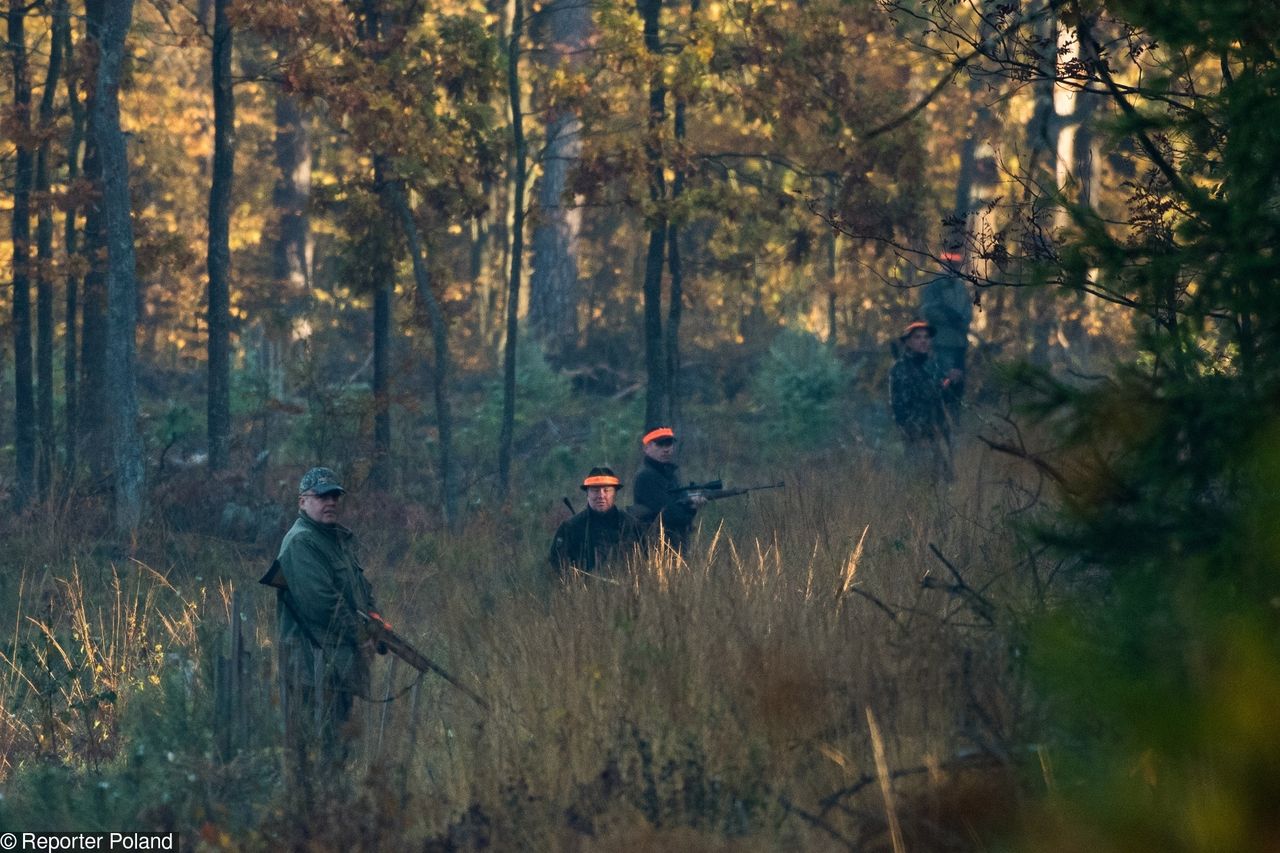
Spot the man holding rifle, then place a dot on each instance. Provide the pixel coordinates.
(322, 602)
(657, 489)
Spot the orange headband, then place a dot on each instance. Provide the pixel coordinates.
(601, 480)
(660, 432)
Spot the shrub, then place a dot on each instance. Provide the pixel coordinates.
(798, 388)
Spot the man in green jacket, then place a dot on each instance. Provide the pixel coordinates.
(324, 649)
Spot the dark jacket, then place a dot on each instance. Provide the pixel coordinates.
(655, 500)
(946, 305)
(592, 539)
(326, 586)
(916, 392)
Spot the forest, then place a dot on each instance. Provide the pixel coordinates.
(464, 252)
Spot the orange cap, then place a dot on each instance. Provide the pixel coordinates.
(655, 434)
(916, 324)
(601, 475)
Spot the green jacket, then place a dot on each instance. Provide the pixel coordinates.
(326, 586)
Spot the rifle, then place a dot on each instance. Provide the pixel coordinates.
(714, 490)
(379, 631)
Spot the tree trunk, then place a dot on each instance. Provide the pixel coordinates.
(674, 312)
(507, 433)
(397, 202)
(122, 287)
(384, 286)
(1076, 116)
(553, 284)
(44, 253)
(971, 226)
(655, 408)
(1044, 136)
(23, 414)
(1042, 129)
(477, 271)
(70, 368)
(369, 28)
(833, 254)
(219, 250)
(94, 430)
(1083, 149)
(382, 276)
(675, 308)
(291, 254)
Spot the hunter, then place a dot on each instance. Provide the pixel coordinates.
(600, 534)
(325, 652)
(657, 500)
(918, 394)
(948, 308)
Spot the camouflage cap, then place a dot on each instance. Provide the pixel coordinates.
(320, 481)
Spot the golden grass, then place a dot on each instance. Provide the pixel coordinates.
(720, 698)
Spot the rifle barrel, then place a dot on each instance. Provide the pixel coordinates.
(718, 494)
(404, 650)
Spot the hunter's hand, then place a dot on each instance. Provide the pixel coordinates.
(696, 501)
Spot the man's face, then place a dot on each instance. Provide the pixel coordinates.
(601, 498)
(663, 450)
(322, 509)
(919, 342)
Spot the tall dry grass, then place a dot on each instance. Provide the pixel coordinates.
(729, 691)
(722, 697)
(79, 652)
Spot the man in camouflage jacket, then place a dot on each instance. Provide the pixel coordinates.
(918, 395)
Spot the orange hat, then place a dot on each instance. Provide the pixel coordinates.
(660, 432)
(917, 324)
(952, 257)
(601, 477)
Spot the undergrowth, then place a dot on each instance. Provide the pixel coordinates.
(826, 663)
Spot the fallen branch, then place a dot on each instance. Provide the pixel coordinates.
(1022, 453)
(980, 604)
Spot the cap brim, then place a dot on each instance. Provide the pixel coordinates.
(328, 490)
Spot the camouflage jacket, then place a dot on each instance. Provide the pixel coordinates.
(326, 586)
(916, 390)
